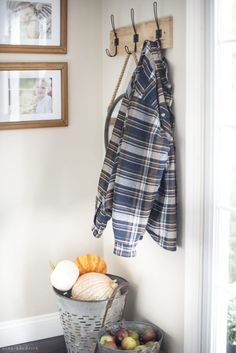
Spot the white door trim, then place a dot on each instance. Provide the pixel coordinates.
(194, 186)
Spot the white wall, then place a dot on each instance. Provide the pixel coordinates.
(48, 176)
(156, 276)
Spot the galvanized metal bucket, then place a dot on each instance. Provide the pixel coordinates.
(134, 326)
(82, 320)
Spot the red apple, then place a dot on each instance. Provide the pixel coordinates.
(148, 335)
(120, 334)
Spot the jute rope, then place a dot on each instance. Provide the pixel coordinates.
(122, 75)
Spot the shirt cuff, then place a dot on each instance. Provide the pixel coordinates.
(97, 232)
(100, 221)
(124, 249)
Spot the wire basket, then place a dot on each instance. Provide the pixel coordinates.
(82, 320)
(137, 326)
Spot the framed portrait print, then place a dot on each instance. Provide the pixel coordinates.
(36, 26)
(33, 95)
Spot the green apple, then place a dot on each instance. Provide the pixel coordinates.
(106, 338)
(140, 348)
(111, 345)
(128, 343)
(133, 334)
(151, 344)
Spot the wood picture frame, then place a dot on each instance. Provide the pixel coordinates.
(36, 26)
(33, 95)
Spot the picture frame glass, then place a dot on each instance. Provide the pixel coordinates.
(35, 22)
(30, 95)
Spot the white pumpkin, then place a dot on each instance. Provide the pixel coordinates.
(93, 286)
(64, 276)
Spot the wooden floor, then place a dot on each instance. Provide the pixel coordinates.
(49, 345)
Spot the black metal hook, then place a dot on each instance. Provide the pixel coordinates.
(135, 37)
(158, 30)
(116, 39)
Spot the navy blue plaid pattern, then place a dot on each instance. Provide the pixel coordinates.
(137, 185)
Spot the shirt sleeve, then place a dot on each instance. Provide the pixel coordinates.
(103, 208)
(162, 222)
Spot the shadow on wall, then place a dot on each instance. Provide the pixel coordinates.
(130, 308)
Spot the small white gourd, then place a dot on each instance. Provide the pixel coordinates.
(93, 286)
(64, 275)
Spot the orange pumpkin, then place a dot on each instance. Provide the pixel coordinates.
(90, 263)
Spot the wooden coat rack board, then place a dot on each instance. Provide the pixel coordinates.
(146, 31)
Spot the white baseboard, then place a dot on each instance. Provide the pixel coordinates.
(29, 329)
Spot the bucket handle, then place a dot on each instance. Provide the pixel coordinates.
(122, 285)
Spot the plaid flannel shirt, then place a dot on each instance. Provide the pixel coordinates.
(137, 185)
